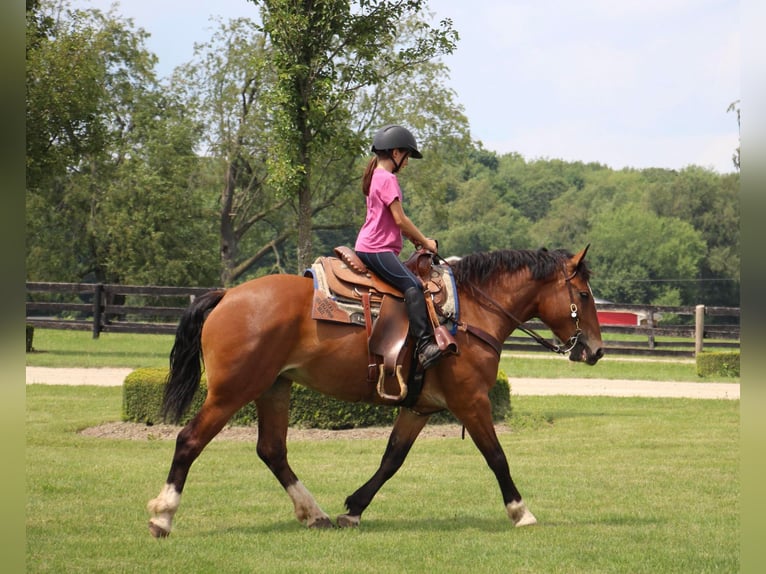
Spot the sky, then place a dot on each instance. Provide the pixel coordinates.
(624, 83)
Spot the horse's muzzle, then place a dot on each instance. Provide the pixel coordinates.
(583, 353)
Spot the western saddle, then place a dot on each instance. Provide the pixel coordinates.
(346, 291)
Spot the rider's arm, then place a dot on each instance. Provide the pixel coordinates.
(409, 229)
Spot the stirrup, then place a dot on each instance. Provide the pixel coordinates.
(382, 388)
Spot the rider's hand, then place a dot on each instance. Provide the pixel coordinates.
(431, 245)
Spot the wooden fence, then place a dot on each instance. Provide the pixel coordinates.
(109, 308)
(664, 331)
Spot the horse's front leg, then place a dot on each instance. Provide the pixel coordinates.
(406, 429)
(478, 423)
(273, 417)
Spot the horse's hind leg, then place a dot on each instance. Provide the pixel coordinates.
(273, 411)
(406, 429)
(190, 442)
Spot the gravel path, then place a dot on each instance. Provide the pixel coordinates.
(519, 386)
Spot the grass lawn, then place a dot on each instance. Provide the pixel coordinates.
(618, 484)
(61, 348)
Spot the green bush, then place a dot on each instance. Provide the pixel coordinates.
(725, 364)
(142, 393)
(143, 388)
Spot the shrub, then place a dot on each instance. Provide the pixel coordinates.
(142, 393)
(143, 389)
(725, 364)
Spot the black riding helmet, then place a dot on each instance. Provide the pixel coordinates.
(395, 137)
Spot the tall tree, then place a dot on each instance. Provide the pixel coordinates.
(230, 86)
(109, 155)
(323, 54)
(226, 86)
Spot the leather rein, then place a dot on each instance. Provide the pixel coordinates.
(498, 345)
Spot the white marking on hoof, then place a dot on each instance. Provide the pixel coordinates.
(348, 521)
(162, 509)
(307, 510)
(519, 514)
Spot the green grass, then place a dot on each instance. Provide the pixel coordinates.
(618, 484)
(61, 348)
(54, 348)
(610, 367)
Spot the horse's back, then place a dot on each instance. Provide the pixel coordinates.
(255, 314)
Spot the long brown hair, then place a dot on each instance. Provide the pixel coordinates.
(367, 177)
(370, 169)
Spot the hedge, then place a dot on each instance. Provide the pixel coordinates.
(143, 389)
(725, 364)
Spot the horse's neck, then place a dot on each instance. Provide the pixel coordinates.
(500, 306)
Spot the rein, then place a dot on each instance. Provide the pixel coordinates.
(497, 345)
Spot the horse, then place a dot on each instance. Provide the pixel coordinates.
(257, 338)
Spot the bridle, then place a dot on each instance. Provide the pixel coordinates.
(562, 349)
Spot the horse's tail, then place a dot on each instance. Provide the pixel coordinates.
(186, 355)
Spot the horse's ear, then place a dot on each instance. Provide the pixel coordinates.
(580, 257)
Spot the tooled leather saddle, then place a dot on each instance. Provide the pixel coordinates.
(346, 291)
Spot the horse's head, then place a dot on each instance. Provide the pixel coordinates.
(568, 308)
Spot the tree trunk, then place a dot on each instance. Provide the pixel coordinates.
(304, 226)
(229, 246)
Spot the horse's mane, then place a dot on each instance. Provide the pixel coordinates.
(542, 263)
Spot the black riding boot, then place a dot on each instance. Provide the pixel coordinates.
(421, 328)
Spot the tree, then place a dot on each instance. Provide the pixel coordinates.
(226, 87)
(594, 192)
(710, 203)
(483, 223)
(640, 258)
(323, 53)
(109, 156)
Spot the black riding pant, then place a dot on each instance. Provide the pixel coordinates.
(391, 269)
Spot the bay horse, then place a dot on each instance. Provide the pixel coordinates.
(257, 338)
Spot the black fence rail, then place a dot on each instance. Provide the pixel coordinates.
(111, 308)
(660, 331)
(107, 308)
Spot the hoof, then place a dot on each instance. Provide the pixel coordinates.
(323, 522)
(348, 521)
(520, 515)
(527, 520)
(157, 531)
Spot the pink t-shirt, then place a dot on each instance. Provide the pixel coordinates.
(380, 232)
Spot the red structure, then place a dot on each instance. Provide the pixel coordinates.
(617, 318)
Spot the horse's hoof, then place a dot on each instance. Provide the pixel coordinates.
(520, 514)
(348, 521)
(323, 522)
(527, 520)
(157, 531)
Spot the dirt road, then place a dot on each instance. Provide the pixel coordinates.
(519, 386)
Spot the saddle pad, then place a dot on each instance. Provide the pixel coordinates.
(345, 310)
(352, 311)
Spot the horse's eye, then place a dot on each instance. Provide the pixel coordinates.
(584, 294)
